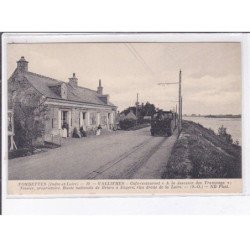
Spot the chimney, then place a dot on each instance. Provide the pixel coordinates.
(22, 65)
(73, 80)
(100, 88)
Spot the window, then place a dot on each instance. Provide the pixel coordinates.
(65, 119)
(83, 118)
(92, 117)
(168, 116)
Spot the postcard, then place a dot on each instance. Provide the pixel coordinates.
(125, 117)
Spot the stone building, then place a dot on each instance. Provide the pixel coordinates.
(68, 103)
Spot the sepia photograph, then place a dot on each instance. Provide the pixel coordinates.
(120, 117)
(125, 111)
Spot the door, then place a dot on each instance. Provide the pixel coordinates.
(64, 117)
(64, 122)
(84, 120)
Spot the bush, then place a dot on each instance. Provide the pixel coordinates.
(237, 142)
(222, 132)
(20, 152)
(127, 123)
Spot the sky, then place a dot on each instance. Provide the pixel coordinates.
(211, 72)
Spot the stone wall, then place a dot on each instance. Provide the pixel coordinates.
(52, 124)
(75, 116)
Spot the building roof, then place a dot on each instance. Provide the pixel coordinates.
(74, 93)
(131, 116)
(121, 117)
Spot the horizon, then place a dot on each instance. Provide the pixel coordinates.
(211, 72)
(193, 114)
(211, 114)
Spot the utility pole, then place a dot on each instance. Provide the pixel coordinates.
(180, 104)
(136, 105)
(180, 101)
(175, 122)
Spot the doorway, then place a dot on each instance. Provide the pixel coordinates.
(65, 123)
(110, 121)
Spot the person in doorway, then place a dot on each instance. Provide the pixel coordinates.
(99, 128)
(65, 128)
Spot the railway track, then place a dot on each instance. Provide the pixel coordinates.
(127, 164)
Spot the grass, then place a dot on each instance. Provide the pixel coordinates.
(200, 153)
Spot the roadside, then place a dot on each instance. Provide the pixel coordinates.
(47, 146)
(153, 168)
(118, 155)
(200, 153)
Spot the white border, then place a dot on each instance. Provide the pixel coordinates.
(120, 37)
(159, 205)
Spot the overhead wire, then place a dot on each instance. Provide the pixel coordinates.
(139, 58)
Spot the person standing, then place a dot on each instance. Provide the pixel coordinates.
(99, 128)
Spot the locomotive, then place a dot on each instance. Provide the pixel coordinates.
(163, 123)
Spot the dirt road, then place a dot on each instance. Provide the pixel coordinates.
(118, 155)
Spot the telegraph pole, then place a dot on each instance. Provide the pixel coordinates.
(136, 105)
(180, 104)
(176, 114)
(180, 101)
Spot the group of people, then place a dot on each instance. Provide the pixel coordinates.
(82, 133)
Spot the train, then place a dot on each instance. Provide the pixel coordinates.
(164, 123)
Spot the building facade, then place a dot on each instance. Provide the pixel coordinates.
(68, 104)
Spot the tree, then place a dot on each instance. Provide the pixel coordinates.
(148, 109)
(143, 110)
(30, 115)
